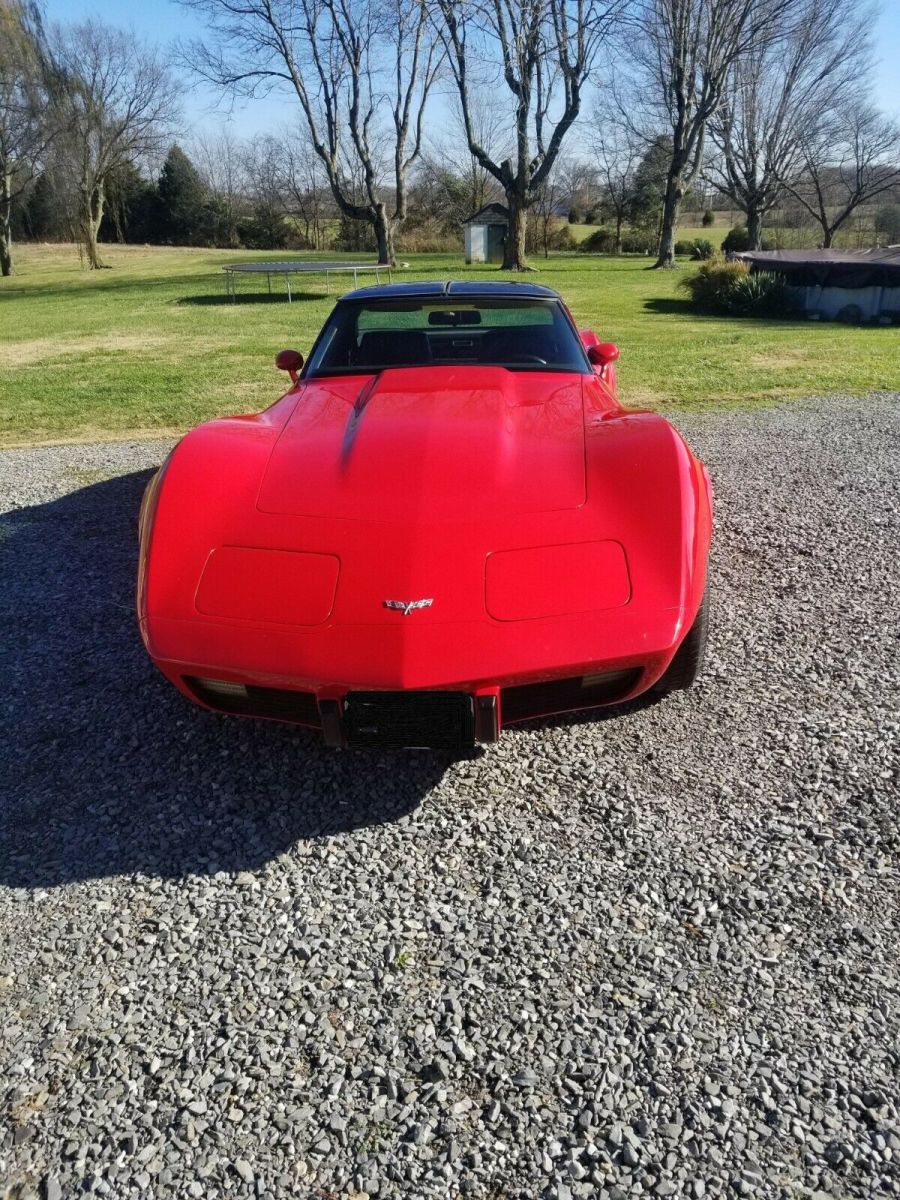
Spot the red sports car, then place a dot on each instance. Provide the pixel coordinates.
(446, 525)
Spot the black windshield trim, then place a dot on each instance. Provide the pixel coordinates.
(363, 372)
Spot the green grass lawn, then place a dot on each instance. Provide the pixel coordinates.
(154, 345)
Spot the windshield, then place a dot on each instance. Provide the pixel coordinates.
(520, 335)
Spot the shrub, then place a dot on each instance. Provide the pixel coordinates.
(763, 294)
(710, 289)
(695, 248)
(264, 230)
(729, 289)
(709, 218)
(737, 239)
(639, 243)
(574, 215)
(850, 314)
(887, 222)
(427, 238)
(601, 241)
(561, 239)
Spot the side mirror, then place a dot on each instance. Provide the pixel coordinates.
(602, 354)
(290, 361)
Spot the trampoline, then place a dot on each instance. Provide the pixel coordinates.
(289, 268)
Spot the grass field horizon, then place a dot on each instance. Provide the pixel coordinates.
(153, 346)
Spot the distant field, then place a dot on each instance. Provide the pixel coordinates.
(153, 344)
(715, 232)
(856, 234)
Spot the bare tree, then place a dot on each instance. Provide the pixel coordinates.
(25, 130)
(578, 184)
(440, 195)
(619, 153)
(117, 103)
(847, 160)
(305, 186)
(776, 93)
(452, 150)
(262, 163)
(218, 158)
(543, 52)
(684, 52)
(547, 202)
(361, 70)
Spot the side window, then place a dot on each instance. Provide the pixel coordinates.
(324, 350)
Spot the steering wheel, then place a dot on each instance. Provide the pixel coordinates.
(528, 358)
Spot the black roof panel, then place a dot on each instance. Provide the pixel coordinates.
(502, 287)
(490, 288)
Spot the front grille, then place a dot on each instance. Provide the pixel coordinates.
(436, 720)
(562, 695)
(278, 703)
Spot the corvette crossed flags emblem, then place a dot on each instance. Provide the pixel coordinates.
(407, 606)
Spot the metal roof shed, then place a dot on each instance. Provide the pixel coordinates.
(485, 234)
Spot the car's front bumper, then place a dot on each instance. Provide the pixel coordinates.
(506, 672)
(440, 719)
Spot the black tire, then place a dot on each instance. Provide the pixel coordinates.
(688, 661)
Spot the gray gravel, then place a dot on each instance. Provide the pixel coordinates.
(653, 955)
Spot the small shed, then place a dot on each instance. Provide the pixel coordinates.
(485, 234)
(845, 285)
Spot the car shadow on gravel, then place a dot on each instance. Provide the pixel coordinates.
(105, 769)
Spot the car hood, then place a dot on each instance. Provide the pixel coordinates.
(418, 444)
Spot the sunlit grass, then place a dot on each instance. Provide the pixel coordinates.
(154, 344)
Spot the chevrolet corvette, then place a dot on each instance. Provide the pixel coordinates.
(448, 524)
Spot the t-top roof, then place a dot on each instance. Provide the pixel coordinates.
(490, 289)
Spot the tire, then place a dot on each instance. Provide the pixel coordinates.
(688, 661)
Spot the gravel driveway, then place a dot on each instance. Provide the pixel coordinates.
(649, 955)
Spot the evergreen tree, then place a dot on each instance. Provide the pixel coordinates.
(132, 206)
(650, 183)
(40, 213)
(264, 229)
(184, 214)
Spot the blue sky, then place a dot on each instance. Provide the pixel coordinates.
(162, 21)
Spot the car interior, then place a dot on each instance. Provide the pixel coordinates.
(516, 336)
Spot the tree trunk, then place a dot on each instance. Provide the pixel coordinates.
(671, 207)
(618, 245)
(384, 238)
(827, 237)
(754, 228)
(92, 216)
(5, 227)
(514, 257)
(5, 249)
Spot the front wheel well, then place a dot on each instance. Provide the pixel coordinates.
(687, 664)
